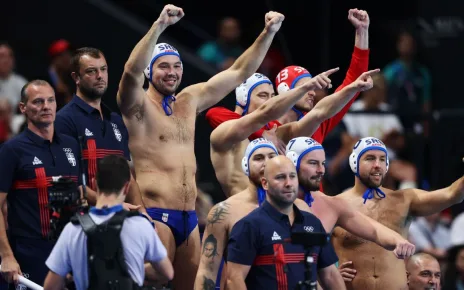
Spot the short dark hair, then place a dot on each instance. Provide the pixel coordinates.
(24, 96)
(78, 53)
(113, 173)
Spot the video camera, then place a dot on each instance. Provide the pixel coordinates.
(64, 200)
(309, 240)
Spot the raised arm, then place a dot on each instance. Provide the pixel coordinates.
(364, 227)
(216, 88)
(130, 94)
(425, 203)
(231, 132)
(326, 108)
(359, 64)
(213, 246)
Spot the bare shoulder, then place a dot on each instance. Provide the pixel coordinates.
(302, 205)
(219, 213)
(191, 91)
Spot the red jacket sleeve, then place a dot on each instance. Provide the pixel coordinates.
(218, 115)
(359, 64)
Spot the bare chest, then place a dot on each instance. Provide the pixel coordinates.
(178, 127)
(390, 212)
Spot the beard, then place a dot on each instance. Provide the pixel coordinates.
(310, 184)
(164, 90)
(255, 178)
(279, 200)
(92, 93)
(367, 181)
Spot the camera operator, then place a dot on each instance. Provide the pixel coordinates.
(99, 237)
(28, 164)
(261, 253)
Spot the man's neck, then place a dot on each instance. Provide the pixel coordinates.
(107, 200)
(46, 131)
(290, 116)
(95, 103)
(238, 110)
(359, 187)
(287, 210)
(253, 191)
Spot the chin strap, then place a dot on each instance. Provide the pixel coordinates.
(261, 195)
(166, 105)
(370, 192)
(308, 198)
(299, 113)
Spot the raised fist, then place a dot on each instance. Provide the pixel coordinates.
(404, 249)
(170, 15)
(273, 21)
(359, 18)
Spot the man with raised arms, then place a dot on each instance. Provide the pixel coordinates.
(308, 157)
(294, 76)
(375, 267)
(161, 131)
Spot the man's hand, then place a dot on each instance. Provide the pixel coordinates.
(170, 15)
(347, 272)
(404, 249)
(273, 21)
(271, 136)
(321, 81)
(359, 18)
(364, 82)
(10, 269)
(128, 206)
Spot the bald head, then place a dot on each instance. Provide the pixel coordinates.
(277, 164)
(423, 272)
(280, 181)
(418, 258)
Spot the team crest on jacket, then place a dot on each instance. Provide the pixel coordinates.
(70, 156)
(117, 133)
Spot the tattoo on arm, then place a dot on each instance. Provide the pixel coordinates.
(210, 247)
(208, 284)
(218, 214)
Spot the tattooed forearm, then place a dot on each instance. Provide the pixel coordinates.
(208, 284)
(218, 213)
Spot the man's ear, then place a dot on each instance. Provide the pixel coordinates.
(264, 183)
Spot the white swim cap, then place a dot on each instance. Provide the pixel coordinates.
(160, 50)
(252, 147)
(243, 92)
(363, 145)
(298, 147)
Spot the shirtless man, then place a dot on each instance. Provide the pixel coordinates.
(375, 267)
(294, 76)
(308, 157)
(223, 216)
(229, 140)
(161, 130)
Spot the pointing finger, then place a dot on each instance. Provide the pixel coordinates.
(330, 71)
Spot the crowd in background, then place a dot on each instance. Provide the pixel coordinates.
(392, 112)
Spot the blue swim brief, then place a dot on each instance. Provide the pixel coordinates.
(181, 223)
